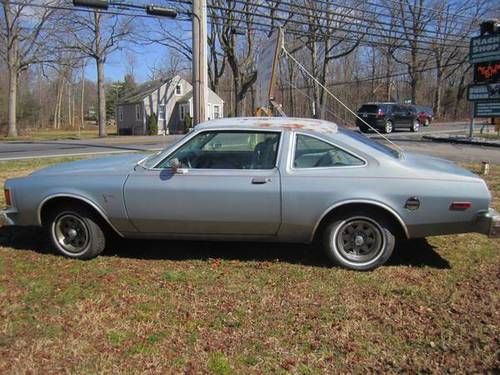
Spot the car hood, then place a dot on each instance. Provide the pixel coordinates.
(437, 165)
(106, 165)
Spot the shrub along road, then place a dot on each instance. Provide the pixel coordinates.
(170, 307)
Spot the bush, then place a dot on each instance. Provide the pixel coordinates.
(188, 123)
(152, 124)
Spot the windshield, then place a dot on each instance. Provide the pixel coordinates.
(372, 143)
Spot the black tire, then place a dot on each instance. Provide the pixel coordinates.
(363, 129)
(336, 240)
(415, 127)
(388, 127)
(76, 231)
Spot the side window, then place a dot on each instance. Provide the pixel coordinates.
(311, 152)
(228, 150)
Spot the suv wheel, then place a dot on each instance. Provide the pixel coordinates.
(388, 127)
(415, 126)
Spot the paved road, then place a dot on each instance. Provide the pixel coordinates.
(409, 141)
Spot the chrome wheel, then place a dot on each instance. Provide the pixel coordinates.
(388, 127)
(71, 233)
(359, 240)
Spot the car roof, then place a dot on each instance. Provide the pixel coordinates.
(273, 123)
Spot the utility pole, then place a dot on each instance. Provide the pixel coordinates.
(200, 68)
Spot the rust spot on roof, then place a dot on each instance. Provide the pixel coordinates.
(293, 126)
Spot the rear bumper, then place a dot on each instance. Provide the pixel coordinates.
(8, 216)
(489, 223)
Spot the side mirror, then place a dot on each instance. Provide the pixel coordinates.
(176, 166)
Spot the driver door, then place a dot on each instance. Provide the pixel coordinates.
(223, 182)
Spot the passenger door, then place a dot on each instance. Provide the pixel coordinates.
(226, 183)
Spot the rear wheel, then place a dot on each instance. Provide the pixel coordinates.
(359, 240)
(76, 231)
(363, 129)
(388, 127)
(415, 127)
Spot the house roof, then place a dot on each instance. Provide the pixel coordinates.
(143, 90)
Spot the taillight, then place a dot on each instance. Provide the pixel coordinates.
(460, 206)
(6, 193)
(380, 113)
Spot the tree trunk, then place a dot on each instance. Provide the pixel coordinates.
(437, 94)
(82, 120)
(101, 98)
(12, 102)
(236, 87)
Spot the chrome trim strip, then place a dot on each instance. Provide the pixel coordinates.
(79, 197)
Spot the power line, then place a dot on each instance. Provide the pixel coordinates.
(344, 15)
(247, 13)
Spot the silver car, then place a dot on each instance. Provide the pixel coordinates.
(257, 179)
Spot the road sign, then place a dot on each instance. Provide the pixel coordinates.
(484, 48)
(487, 109)
(489, 91)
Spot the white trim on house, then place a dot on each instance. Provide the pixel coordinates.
(138, 112)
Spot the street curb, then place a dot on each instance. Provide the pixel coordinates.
(462, 140)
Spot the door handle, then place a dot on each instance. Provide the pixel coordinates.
(260, 180)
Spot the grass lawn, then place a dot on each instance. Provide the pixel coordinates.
(58, 134)
(222, 308)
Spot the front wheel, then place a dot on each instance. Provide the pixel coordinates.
(76, 232)
(359, 241)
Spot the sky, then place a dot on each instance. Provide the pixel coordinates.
(144, 57)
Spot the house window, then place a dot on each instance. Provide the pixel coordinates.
(161, 112)
(120, 114)
(138, 112)
(182, 112)
(178, 89)
(216, 111)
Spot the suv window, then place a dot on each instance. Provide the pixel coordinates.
(369, 108)
(311, 152)
(228, 150)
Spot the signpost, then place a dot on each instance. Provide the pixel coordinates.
(484, 92)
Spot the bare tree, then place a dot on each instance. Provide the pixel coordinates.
(97, 36)
(229, 17)
(26, 36)
(414, 18)
(451, 32)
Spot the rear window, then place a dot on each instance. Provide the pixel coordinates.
(370, 108)
(371, 143)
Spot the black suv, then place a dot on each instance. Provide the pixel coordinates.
(387, 117)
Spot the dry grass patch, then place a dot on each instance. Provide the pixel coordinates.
(222, 308)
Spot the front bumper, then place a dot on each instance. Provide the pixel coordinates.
(489, 223)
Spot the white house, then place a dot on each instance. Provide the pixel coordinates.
(170, 99)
